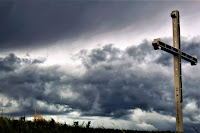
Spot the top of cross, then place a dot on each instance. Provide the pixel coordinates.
(175, 50)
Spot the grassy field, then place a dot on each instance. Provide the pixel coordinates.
(10, 125)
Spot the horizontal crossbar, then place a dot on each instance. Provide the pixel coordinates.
(158, 44)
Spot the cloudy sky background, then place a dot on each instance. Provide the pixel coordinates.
(92, 60)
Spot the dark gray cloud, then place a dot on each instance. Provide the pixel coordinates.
(34, 24)
(38, 61)
(12, 62)
(140, 52)
(123, 88)
(112, 85)
(9, 63)
(114, 82)
(166, 59)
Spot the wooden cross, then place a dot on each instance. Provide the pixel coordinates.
(178, 54)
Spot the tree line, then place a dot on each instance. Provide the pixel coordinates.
(11, 125)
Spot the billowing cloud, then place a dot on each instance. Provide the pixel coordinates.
(113, 83)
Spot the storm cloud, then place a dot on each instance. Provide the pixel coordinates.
(114, 83)
(35, 24)
(27, 22)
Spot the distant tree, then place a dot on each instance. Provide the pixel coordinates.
(76, 124)
(88, 124)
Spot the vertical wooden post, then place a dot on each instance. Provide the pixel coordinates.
(177, 72)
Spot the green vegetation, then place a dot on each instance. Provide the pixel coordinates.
(10, 125)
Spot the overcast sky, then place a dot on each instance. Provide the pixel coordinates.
(94, 60)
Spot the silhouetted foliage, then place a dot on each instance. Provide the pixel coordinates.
(76, 124)
(10, 125)
(88, 124)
